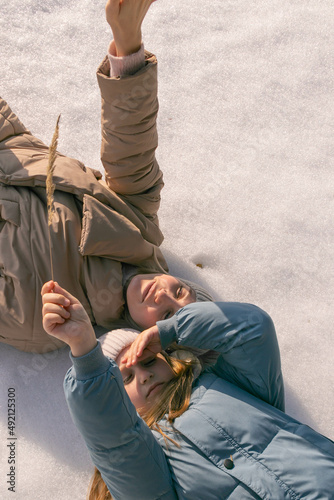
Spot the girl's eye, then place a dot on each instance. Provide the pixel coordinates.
(150, 361)
(127, 379)
(179, 292)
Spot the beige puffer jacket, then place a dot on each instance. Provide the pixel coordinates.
(97, 225)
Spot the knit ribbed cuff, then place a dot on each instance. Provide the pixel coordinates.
(126, 65)
(90, 365)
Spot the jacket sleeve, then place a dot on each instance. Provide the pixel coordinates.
(9, 123)
(122, 447)
(129, 135)
(245, 337)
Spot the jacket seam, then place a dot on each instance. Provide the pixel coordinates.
(34, 266)
(229, 495)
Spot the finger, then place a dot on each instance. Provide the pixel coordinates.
(51, 320)
(62, 291)
(142, 343)
(55, 298)
(130, 353)
(137, 349)
(56, 309)
(47, 287)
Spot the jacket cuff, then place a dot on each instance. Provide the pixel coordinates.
(127, 65)
(167, 331)
(90, 365)
(119, 92)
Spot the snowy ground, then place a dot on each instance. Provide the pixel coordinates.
(246, 128)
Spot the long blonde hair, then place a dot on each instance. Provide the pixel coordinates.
(173, 401)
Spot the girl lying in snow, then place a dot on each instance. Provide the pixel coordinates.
(215, 423)
(104, 234)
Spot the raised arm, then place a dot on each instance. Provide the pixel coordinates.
(243, 334)
(245, 337)
(122, 447)
(129, 110)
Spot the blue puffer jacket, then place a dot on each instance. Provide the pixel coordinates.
(235, 411)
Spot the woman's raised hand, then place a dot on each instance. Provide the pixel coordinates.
(125, 18)
(65, 318)
(148, 339)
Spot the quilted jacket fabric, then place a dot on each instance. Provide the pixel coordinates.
(98, 225)
(236, 410)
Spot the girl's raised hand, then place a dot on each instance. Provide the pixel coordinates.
(125, 18)
(148, 339)
(65, 318)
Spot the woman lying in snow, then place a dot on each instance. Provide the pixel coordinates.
(103, 233)
(215, 424)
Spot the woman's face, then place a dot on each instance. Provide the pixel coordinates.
(154, 297)
(144, 380)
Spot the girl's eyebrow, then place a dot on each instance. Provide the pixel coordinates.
(147, 356)
(123, 368)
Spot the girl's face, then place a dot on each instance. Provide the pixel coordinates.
(154, 297)
(144, 380)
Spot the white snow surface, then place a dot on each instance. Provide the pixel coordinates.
(246, 145)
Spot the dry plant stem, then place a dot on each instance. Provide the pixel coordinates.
(49, 231)
(50, 187)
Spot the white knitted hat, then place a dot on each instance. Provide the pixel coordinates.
(115, 341)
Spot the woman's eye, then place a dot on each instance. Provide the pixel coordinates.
(179, 292)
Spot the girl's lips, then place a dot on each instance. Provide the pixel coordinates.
(148, 290)
(154, 388)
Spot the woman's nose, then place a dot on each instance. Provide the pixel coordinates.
(160, 296)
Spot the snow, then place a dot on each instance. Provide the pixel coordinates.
(245, 128)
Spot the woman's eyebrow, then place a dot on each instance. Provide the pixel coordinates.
(191, 293)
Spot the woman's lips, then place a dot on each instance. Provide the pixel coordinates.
(148, 290)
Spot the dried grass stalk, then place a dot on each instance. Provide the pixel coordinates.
(50, 186)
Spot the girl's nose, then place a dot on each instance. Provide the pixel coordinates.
(145, 376)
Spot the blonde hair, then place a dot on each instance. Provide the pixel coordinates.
(172, 402)
(97, 488)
